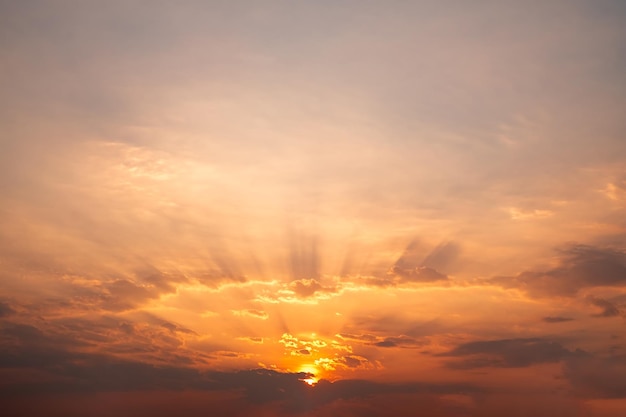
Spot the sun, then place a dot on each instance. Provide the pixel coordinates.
(309, 369)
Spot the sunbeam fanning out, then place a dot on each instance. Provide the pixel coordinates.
(313, 208)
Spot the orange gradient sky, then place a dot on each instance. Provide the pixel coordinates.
(313, 208)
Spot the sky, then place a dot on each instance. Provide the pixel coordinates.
(313, 208)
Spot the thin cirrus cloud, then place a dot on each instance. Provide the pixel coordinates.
(312, 208)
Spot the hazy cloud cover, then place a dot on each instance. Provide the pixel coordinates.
(280, 208)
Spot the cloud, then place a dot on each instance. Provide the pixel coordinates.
(443, 256)
(616, 191)
(556, 319)
(215, 278)
(506, 353)
(141, 336)
(392, 325)
(400, 341)
(519, 214)
(413, 266)
(296, 346)
(398, 277)
(155, 320)
(580, 267)
(185, 136)
(326, 392)
(331, 402)
(123, 294)
(23, 334)
(309, 287)
(367, 338)
(608, 308)
(259, 314)
(593, 376)
(109, 291)
(257, 387)
(301, 291)
(351, 361)
(80, 372)
(5, 309)
(83, 371)
(418, 274)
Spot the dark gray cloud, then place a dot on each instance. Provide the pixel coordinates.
(608, 308)
(325, 391)
(142, 336)
(120, 294)
(593, 376)
(352, 361)
(61, 350)
(401, 341)
(368, 338)
(556, 319)
(5, 309)
(140, 360)
(81, 372)
(580, 266)
(506, 353)
(22, 333)
(92, 291)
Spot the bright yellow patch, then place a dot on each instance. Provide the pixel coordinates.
(309, 369)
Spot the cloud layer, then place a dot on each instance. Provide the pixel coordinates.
(326, 208)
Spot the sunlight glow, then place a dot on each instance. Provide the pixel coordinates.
(309, 369)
